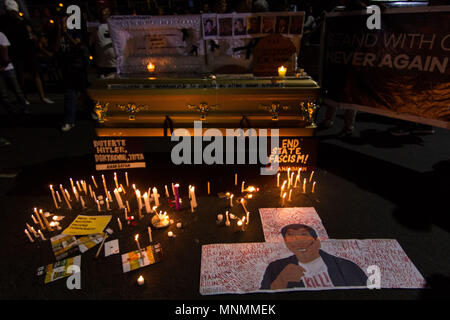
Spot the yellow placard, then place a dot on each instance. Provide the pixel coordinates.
(84, 225)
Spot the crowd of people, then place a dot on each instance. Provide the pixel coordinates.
(42, 48)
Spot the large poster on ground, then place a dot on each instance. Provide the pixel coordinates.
(305, 264)
(274, 219)
(401, 70)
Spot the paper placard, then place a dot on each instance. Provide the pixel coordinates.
(85, 225)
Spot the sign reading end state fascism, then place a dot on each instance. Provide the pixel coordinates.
(113, 154)
(294, 153)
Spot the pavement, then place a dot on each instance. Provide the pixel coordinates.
(374, 186)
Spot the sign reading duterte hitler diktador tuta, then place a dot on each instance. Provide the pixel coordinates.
(400, 71)
(119, 153)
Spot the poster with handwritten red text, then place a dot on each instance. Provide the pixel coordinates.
(343, 264)
(273, 219)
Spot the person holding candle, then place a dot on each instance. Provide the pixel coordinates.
(309, 266)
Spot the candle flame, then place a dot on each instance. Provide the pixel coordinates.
(150, 67)
(136, 237)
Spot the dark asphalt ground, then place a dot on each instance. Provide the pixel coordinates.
(372, 185)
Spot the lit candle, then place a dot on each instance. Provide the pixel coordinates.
(53, 196)
(91, 192)
(47, 225)
(235, 179)
(83, 205)
(128, 205)
(314, 184)
(28, 227)
(290, 194)
(108, 197)
(104, 185)
(241, 224)
(122, 189)
(58, 196)
(155, 196)
(242, 186)
(284, 197)
(231, 200)
(115, 181)
(118, 198)
(194, 199)
(65, 197)
(248, 217)
(98, 205)
(95, 182)
(119, 223)
(151, 67)
(68, 195)
(28, 235)
(34, 232)
(39, 218)
(297, 178)
(126, 179)
(170, 234)
(150, 234)
(167, 191)
(147, 203)
(140, 280)
(282, 72)
(292, 178)
(136, 238)
(138, 194)
(304, 185)
(138, 198)
(209, 191)
(42, 236)
(227, 221)
(177, 197)
(134, 187)
(282, 188)
(278, 179)
(78, 186)
(310, 177)
(75, 192)
(192, 206)
(71, 183)
(34, 219)
(289, 177)
(219, 217)
(83, 184)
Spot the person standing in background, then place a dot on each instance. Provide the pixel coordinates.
(74, 60)
(8, 76)
(23, 47)
(105, 56)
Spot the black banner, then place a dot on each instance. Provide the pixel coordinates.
(401, 70)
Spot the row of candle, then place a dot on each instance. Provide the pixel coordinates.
(288, 184)
(242, 223)
(43, 223)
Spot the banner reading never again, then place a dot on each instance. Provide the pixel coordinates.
(401, 70)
